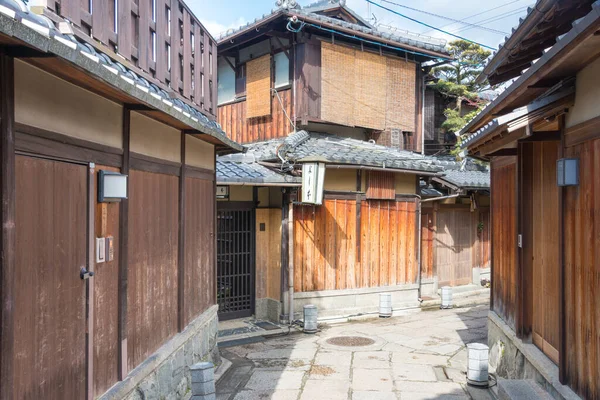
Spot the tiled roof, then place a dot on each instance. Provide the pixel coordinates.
(251, 173)
(16, 20)
(335, 150)
(464, 174)
(414, 40)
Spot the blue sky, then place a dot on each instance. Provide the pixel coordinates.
(220, 15)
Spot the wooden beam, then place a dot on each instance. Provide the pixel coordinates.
(26, 52)
(89, 285)
(181, 243)
(139, 107)
(500, 142)
(7, 233)
(287, 53)
(124, 251)
(230, 64)
(543, 136)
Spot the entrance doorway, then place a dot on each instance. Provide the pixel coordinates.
(235, 259)
(50, 296)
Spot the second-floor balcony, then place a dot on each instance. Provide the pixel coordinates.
(160, 40)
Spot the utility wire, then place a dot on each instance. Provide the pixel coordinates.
(430, 26)
(447, 18)
(499, 17)
(478, 14)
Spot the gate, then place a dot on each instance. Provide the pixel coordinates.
(235, 259)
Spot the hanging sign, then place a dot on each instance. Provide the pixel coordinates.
(313, 177)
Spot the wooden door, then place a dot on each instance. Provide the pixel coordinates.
(546, 262)
(454, 239)
(51, 240)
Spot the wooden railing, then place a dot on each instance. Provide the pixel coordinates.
(161, 40)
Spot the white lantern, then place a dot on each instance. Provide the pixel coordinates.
(477, 371)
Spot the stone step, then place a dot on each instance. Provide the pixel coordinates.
(514, 389)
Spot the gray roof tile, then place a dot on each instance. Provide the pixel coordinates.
(466, 173)
(251, 173)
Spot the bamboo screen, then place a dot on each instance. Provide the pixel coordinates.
(338, 92)
(367, 90)
(401, 97)
(258, 87)
(370, 90)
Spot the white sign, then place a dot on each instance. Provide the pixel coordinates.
(222, 192)
(313, 176)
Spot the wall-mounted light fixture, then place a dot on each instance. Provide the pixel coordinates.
(567, 172)
(112, 186)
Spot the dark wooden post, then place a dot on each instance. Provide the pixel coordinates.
(7, 248)
(562, 310)
(124, 250)
(284, 247)
(181, 243)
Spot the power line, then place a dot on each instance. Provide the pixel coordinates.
(478, 14)
(447, 18)
(498, 17)
(430, 26)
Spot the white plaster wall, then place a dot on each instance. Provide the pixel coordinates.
(47, 102)
(155, 139)
(199, 153)
(587, 105)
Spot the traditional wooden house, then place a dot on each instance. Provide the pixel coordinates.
(363, 240)
(108, 141)
(542, 137)
(455, 220)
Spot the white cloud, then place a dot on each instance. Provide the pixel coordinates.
(215, 28)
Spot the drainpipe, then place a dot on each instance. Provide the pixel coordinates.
(291, 259)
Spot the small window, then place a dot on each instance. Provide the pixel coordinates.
(226, 81)
(240, 80)
(282, 70)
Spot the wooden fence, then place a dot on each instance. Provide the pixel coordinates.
(160, 40)
(232, 118)
(338, 246)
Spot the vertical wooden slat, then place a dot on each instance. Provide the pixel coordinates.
(187, 54)
(89, 287)
(175, 45)
(213, 74)
(7, 233)
(145, 43)
(206, 68)
(332, 231)
(124, 252)
(161, 40)
(181, 321)
(351, 245)
(198, 69)
(124, 39)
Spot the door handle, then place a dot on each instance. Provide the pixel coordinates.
(84, 274)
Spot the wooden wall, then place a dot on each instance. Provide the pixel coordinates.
(106, 288)
(268, 253)
(427, 242)
(582, 270)
(152, 278)
(308, 81)
(504, 236)
(232, 118)
(338, 247)
(199, 270)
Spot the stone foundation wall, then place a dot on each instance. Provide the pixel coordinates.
(268, 309)
(514, 359)
(339, 305)
(166, 373)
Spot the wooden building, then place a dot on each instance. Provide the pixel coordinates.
(363, 240)
(455, 220)
(545, 218)
(100, 295)
(322, 68)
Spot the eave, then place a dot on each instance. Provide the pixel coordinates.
(571, 53)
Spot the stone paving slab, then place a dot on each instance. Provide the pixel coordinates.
(413, 357)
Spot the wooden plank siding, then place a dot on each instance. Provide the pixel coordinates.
(582, 267)
(381, 185)
(152, 292)
(199, 271)
(133, 33)
(106, 305)
(232, 118)
(326, 245)
(504, 234)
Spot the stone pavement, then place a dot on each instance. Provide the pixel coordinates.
(419, 357)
